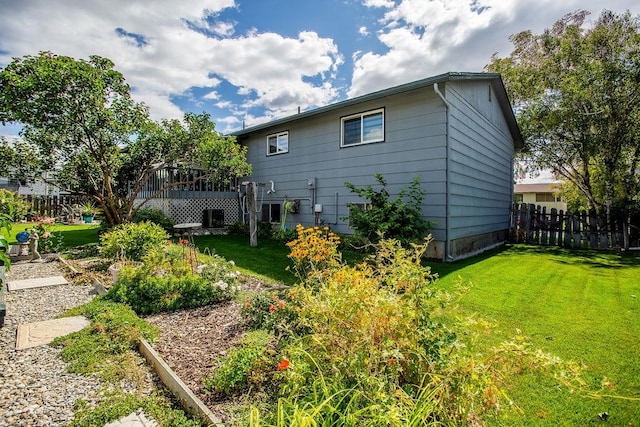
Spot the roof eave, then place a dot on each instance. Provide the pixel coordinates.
(495, 78)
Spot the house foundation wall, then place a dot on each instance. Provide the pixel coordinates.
(466, 247)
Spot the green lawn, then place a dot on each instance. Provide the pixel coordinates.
(268, 259)
(580, 306)
(73, 235)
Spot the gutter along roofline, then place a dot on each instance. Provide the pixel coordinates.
(494, 78)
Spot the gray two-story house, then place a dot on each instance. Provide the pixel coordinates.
(456, 130)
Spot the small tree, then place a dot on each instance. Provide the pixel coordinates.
(80, 123)
(396, 219)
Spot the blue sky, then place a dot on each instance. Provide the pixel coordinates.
(250, 61)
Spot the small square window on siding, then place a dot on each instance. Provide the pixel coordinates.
(278, 143)
(362, 128)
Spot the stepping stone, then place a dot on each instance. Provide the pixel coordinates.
(133, 420)
(39, 333)
(40, 282)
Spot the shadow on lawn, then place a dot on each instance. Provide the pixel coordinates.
(594, 258)
(589, 258)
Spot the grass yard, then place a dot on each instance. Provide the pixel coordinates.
(268, 259)
(73, 235)
(581, 306)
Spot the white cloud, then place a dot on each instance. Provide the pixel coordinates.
(272, 69)
(426, 38)
(184, 46)
(378, 3)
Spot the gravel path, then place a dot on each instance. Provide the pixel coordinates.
(35, 389)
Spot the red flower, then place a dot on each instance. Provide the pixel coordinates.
(272, 308)
(284, 364)
(281, 304)
(392, 361)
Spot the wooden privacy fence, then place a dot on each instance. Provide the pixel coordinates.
(533, 224)
(53, 206)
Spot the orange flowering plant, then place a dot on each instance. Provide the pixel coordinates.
(271, 311)
(314, 252)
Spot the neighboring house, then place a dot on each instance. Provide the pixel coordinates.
(10, 184)
(456, 130)
(36, 187)
(540, 194)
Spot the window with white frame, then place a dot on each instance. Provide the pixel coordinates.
(278, 143)
(362, 128)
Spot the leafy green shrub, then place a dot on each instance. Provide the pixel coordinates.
(13, 205)
(166, 281)
(270, 311)
(238, 228)
(394, 219)
(285, 235)
(247, 364)
(265, 230)
(155, 216)
(148, 294)
(49, 241)
(131, 241)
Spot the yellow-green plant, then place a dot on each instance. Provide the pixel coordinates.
(380, 344)
(132, 241)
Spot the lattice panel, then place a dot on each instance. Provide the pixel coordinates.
(190, 210)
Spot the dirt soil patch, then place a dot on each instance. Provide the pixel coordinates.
(191, 340)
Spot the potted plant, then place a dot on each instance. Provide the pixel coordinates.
(87, 212)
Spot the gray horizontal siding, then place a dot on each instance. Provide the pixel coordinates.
(415, 131)
(481, 151)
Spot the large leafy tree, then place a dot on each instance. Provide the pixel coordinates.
(576, 92)
(81, 125)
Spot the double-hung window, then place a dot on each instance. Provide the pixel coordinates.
(362, 128)
(278, 143)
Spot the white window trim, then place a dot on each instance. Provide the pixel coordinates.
(276, 135)
(361, 116)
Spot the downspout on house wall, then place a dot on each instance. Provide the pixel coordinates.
(447, 241)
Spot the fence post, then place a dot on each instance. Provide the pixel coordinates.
(602, 227)
(593, 228)
(576, 230)
(544, 225)
(553, 226)
(567, 229)
(527, 224)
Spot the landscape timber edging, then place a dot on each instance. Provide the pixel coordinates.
(190, 402)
